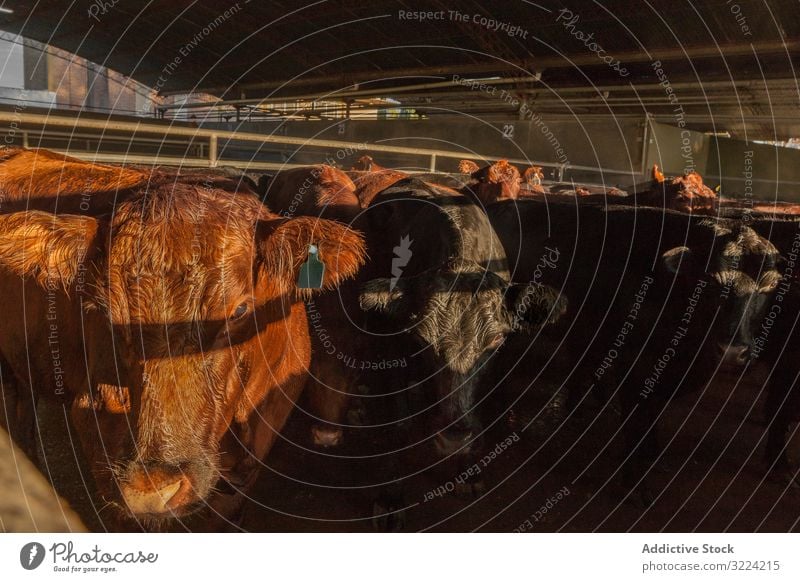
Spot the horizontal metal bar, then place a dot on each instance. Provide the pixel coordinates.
(184, 162)
(157, 160)
(33, 134)
(134, 127)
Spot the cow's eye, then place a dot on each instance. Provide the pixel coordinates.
(239, 312)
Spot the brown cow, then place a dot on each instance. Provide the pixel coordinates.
(308, 192)
(533, 175)
(366, 164)
(691, 194)
(531, 182)
(453, 228)
(468, 167)
(370, 178)
(686, 193)
(498, 181)
(320, 190)
(173, 325)
(370, 184)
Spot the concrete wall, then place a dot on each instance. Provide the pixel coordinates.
(677, 150)
(741, 169)
(756, 170)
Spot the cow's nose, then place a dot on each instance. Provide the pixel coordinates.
(326, 435)
(453, 442)
(154, 490)
(458, 439)
(733, 355)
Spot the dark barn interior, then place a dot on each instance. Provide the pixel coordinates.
(733, 68)
(596, 93)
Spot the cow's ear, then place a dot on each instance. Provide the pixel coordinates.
(284, 245)
(678, 260)
(50, 248)
(389, 296)
(533, 305)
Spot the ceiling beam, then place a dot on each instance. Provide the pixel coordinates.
(788, 47)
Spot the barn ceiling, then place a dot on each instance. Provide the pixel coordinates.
(727, 65)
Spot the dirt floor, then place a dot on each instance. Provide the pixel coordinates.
(559, 471)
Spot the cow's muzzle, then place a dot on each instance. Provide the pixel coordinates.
(158, 490)
(325, 435)
(734, 355)
(459, 439)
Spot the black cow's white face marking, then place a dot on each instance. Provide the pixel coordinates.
(463, 312)
(743, 268)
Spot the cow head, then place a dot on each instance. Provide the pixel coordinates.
(366, 164)
(195, 338)
(740, 268)
(533, 176)
(498, 181)
(464, 313)
(468, 167)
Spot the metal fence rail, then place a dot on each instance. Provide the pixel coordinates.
(148, 142)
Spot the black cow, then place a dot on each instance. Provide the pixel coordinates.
(437, 271)
(659, 300)
(777, 342)
(779, 336)
(440, 273)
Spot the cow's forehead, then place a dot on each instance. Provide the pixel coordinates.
(738, 255)
(744, 243)
(181, 261)
(754, 243)
(744, 259)
(171, 229)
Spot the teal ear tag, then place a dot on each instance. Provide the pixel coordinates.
(312, 271)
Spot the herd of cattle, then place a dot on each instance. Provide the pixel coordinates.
(173, 311)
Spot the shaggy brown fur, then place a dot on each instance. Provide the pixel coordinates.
(468, 167)
(55, 174)
(531, 182)
(685, 193)
(303, 191)
(366, 164)
(533, 175)
(319, 190)
(181, 340)
(45, 180)
(370, 184)
(691, 193)
(498, 181)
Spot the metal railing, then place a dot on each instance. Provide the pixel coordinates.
(202, 147)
